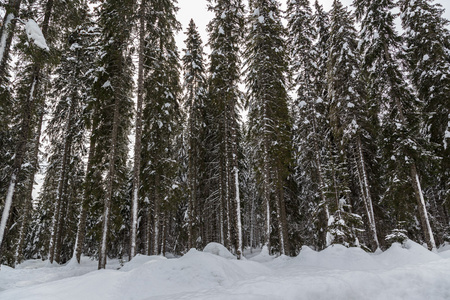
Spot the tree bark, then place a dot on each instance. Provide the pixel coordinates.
(81, 231)
(110, 186)
(138, 136)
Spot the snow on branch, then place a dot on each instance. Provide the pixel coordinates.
(34, 34)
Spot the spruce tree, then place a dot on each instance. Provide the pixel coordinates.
(112, 91)
(400, 140)
(348, 114)
(225, 36)
(30, 93)
(195, 94)
(427, 58)
(309, 34)
(270, 124)
(161, 121)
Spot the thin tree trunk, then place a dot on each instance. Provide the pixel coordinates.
(323, 197)
(58, 220)
(365, 189)
(156, 217)
(29, 192)
(81, 231)
(138, 137)
(240, 246)
(428, 233)
(110, 186)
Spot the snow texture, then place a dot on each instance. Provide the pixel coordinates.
(407, 271)
(34, 34)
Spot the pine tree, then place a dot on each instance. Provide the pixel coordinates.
(112, 91)
(427, 56)
(29, 94)
(225, 36)
(400, 139)
(270, 125)
(195, 94)
(348, 107)
(309, 50)
(161, 120)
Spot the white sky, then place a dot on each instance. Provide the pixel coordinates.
(197, 10)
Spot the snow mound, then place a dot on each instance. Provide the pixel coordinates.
(140, 260)
(219, 250)
(263, 256)
(337, 257)
(409, 253)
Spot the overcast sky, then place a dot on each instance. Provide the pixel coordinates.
(197, 10)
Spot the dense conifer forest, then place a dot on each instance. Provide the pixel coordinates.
(145, 149)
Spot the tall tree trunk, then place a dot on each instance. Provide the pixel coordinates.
(240, 247)
(81, 230)
(138, 137)
(110, 186)
(325, 216)
(423, 213)
(281, 214)
(28, 194)
(365, 190)
(266, 178)
(156, 216)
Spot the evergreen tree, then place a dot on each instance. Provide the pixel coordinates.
(195, 95)
(226, 33)
(309, 51)
(400, 139)
(30, 93)
(427, 56)
(112, 91)
(348, 107)
(270, 124)
(161, 121)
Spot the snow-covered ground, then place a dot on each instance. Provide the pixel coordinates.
(409, 272)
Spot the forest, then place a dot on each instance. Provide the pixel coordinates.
(300, 127)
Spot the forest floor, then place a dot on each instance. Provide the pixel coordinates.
(402, 272)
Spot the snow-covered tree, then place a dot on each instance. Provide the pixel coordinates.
(195, 96)
(348, 115)
(400, 140)
(427, 57)
(112, 91)
(225, 37)
(161, 120)
(270, 123)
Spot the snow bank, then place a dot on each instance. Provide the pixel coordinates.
(263, 256)
(402, 272)
(218, 249)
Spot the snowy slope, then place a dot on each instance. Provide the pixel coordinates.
(410, 272)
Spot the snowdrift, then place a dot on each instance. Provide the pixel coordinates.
(402, 272)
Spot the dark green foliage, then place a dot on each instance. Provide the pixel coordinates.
(161, 120)
(269, 119)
